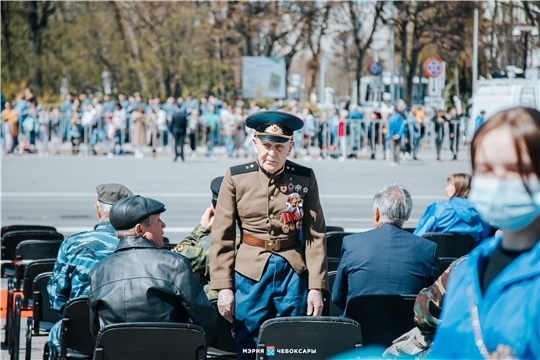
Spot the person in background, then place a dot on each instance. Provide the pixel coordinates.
(492, 304)
(75, 134)
(479, 120)
(193, 122)
(212, 130)
(137, 131)
(342, 134)
(178, 126)
(108, 104)
(396, 130)
(43, 133)
(454, 133)
(151, 129)
(9, 115)
(457, 215)
(438, 120)
(56, 130)
(120, 120)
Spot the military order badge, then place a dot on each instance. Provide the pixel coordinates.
(291, 218)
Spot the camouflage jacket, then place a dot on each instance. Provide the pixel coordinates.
(428, 304)
(77, 255)
(195, 247)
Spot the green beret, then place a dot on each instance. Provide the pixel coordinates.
(111, 193)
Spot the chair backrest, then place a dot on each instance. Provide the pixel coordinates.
(31, 271)
(42, 312)
(75, 333)
(334, 229)
(383, 317)
(13, 238)
(137, 341)
(451, 245)
(328, 336)
(223, 339)
(334, 309)
(334, 240)
(168, 246)
(9, 228)
(333, 263)
(37, 249)
(444, 263)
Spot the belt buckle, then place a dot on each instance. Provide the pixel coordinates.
(272, 245)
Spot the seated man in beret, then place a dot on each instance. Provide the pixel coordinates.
(79, 254)
(142, 283)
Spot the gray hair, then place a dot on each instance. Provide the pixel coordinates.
(394, 203)
(125, 233)
(131, 232)
(104, 209)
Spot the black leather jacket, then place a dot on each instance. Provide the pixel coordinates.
(140, 282)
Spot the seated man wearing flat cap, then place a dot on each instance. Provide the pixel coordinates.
(280, 267)
(79, 254)
(141, 282)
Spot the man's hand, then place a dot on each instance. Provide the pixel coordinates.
(314, 303)
(395, 137)
(451, 135)
(226, 304)
(207, 219)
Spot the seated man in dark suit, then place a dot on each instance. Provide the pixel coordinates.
(388, 259)
(140, 282)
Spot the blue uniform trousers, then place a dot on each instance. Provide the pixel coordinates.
(280, 292)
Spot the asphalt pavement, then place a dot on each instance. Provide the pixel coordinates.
(60, 190)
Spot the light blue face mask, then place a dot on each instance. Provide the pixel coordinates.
(505, 203)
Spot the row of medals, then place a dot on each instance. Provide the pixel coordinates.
(290, 187)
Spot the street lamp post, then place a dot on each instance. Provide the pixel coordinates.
(526, 30)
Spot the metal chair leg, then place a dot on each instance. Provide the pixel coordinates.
(28, 353)
(11, 290)
(16, 329)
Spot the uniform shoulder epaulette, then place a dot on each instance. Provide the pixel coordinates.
(297, 169)
(244, 168)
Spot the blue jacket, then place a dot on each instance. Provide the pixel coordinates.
(456, 216)
(396, 126)
(509, 311)
(386, 260)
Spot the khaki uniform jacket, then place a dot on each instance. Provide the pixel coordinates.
(257, 200)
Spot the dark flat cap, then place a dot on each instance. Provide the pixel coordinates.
(129, 211)
(275, 126)
(111, 193)
(215, 185)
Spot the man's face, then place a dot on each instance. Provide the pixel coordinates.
(154, 231)
(271, 155)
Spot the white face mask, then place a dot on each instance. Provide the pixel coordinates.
(505, 202)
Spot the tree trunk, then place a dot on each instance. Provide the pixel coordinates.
(6, 34)
(404, 53)
(313, 72)
(33, 42)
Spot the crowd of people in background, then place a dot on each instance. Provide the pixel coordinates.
(340, 132)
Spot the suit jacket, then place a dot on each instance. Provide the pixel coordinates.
(386, 260)
(256, 201)
(178, 123)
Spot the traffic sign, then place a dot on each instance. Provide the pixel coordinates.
(433, 67)
(375, 68)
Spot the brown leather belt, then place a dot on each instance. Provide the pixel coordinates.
(271, 245)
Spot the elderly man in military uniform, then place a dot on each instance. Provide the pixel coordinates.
(78, 255)
(280, 267)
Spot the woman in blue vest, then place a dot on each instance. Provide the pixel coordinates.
(457, 215)
(492, 304)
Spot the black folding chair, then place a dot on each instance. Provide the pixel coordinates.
(37, 249)
(334, 309)
(451, 245)
(320, 337)
(333, 263)
(334, 229)
(334, 240)
(14, 238)
(383, 317)
(43, 317)
(222, 345)
(444, 263)
(31, 271)
(77, 341)
(138, 341)
(9, 228)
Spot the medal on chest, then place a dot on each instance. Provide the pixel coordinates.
(291, 218)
